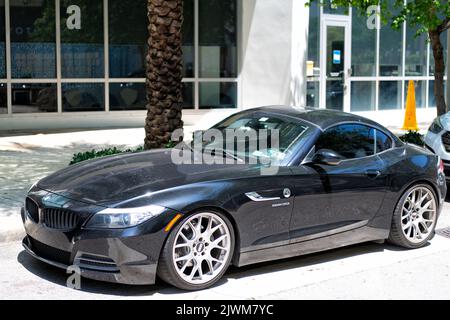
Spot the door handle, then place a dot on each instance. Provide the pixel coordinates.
(373, 173)
(254, 196)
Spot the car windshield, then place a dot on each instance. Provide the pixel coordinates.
(256, 135)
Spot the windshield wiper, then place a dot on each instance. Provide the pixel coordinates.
(225, 153)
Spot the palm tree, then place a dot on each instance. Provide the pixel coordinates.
(164, 72)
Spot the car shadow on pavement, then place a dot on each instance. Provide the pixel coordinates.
(59, 277)
(311, 262)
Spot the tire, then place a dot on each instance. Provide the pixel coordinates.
(407, 213)
(197, 251)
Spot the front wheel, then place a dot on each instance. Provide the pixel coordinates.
(415, 217)
(198, 251)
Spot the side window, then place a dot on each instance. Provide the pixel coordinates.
(349, 140)
(383, 142)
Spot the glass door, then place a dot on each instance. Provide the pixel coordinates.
(336, 61)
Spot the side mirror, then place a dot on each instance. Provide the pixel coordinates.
(328, 157)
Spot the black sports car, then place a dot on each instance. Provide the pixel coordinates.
(341, 179)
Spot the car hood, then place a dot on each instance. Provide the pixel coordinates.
(111, 180)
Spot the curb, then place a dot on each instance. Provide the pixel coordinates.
(11, 229)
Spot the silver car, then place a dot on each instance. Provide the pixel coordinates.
(437, 140)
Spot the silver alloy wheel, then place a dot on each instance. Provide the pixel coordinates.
(201, 248)
(418, 214)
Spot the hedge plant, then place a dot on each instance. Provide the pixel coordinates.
(413, 137)
(93, 154)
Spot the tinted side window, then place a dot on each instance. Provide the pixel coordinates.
(349, 140)
(383, 142)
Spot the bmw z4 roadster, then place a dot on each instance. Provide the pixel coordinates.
(340, 179)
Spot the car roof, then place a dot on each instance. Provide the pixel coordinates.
(322, 118)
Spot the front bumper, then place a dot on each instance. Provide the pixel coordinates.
(125, 273)
(128, 256)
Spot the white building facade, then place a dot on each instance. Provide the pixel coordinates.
(81, 63)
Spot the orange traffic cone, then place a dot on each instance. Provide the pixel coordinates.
(410, 122)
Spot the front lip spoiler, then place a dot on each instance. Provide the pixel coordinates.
(34, 255)
(130, 274)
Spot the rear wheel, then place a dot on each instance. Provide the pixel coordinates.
(415, 217)
(198, 251)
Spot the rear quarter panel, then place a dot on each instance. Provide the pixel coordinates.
(405, 166)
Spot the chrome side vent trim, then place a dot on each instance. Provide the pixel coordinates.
(254, 196)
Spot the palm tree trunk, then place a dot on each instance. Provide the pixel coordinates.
(164, 72)
(439, 71)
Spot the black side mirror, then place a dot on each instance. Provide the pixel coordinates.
(328, 157)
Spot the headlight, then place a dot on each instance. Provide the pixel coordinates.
(114, 218)
(436, 126)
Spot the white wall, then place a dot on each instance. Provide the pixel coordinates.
(273, 46)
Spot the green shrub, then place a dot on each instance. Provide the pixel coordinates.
(413, 137)
(83, 156)
(171, 144)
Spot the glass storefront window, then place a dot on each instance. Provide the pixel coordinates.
(33, 47)
(34, 98)
(83, 97)
(363, 96)
(363, 46)
(420, 93)
(3, 99)
(127, 96)
(313, 94)
(82, 53)
(217, 39)
(218, 95)
(2, 41)
(330, 8)
(314, 39)
(127, 39)
(81, 86)
(391, 50)
(416, 53)
(188, 95)
(402, 55)
(431, 97)
(188, 39)
(390, 95)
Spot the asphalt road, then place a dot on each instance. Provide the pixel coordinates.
(365, 271)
